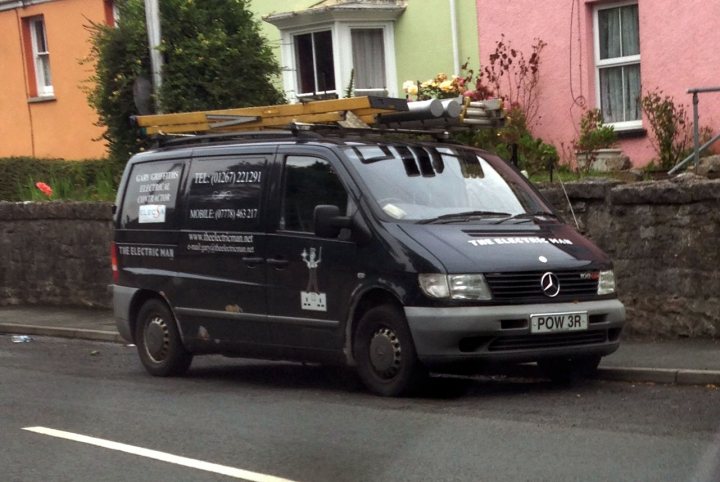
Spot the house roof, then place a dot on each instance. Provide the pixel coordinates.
(357, 3)
(10, 4)
(331, 10)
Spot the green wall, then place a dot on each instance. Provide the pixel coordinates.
(423, 41)
(262, 8)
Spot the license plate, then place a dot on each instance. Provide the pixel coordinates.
(558, 322)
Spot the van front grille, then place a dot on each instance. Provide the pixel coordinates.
(526, 284)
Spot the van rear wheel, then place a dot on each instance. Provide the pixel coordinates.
(385, 354)
(158, 341)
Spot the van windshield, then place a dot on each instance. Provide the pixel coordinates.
(443, 183)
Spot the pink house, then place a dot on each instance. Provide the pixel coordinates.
(604, 54)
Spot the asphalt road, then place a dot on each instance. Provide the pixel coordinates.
(318, 424)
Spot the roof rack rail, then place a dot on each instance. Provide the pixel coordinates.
(175, 140)
(340, 130)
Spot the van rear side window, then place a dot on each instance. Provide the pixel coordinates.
(151, 195)
(225, 193)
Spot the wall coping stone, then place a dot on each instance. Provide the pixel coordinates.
(588, 189)
(679, 190)
(74, 210)
(675, 191)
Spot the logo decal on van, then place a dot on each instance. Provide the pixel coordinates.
(518, 240)
(312, 299)
(151, 213)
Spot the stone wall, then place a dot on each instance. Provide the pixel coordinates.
(663, 236)
(55, 253)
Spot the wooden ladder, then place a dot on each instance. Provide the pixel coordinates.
(349, 112)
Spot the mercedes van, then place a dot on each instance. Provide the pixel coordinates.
(396, 257)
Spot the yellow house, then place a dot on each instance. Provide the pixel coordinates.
(43, 109)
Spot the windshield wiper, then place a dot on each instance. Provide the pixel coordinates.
(528, 216)
(463, 216)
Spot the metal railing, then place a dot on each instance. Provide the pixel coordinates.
(695, 156)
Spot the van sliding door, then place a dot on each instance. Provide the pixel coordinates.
(221, 279)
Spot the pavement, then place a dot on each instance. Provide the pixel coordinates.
(685, 361)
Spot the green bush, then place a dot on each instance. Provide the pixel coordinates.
(214, 58)
(671, 127)
(88, 180)
(594, 135)
(119, 55)
(533, 154)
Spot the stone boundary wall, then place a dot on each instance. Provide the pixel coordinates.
(663, 236)
(55, 253)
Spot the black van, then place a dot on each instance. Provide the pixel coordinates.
(397, 257)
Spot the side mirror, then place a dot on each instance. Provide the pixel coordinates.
(328, 222)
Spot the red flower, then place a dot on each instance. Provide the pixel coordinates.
(47, 190)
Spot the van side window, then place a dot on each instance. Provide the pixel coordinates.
(151, 195)
(225, 192)
(309, 181)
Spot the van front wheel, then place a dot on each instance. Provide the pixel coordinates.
(385, 353)
(158, 341)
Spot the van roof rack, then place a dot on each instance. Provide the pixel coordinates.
(181, 140)
(358, 115)
(297, 130)
(342, 131)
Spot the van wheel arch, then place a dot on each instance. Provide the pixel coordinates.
(370, 299)
(140, 298)
(384, 352)
(158, 341)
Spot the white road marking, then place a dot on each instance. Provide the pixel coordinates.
(162, 456)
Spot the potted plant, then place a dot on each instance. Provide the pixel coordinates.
(595, 146)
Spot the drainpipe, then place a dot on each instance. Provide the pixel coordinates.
(454, 34)
(152, 18)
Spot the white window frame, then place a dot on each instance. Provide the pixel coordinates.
(44, 86)
(341, 33)
(345, 34)
(613, 62)
(294, 69)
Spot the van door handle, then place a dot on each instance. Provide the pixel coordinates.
(277, 262)
(252, 260)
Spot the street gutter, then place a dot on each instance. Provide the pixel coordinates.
(670, 376)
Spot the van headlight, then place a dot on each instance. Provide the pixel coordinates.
(606, 283)
(455, 286)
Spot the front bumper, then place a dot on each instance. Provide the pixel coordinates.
(501, 334)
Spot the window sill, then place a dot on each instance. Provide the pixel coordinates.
(633, 133)
(43, 98)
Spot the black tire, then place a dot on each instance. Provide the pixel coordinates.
(385, 354)
(158, 341)
(568, 371)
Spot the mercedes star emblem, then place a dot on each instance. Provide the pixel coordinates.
(550, 285)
